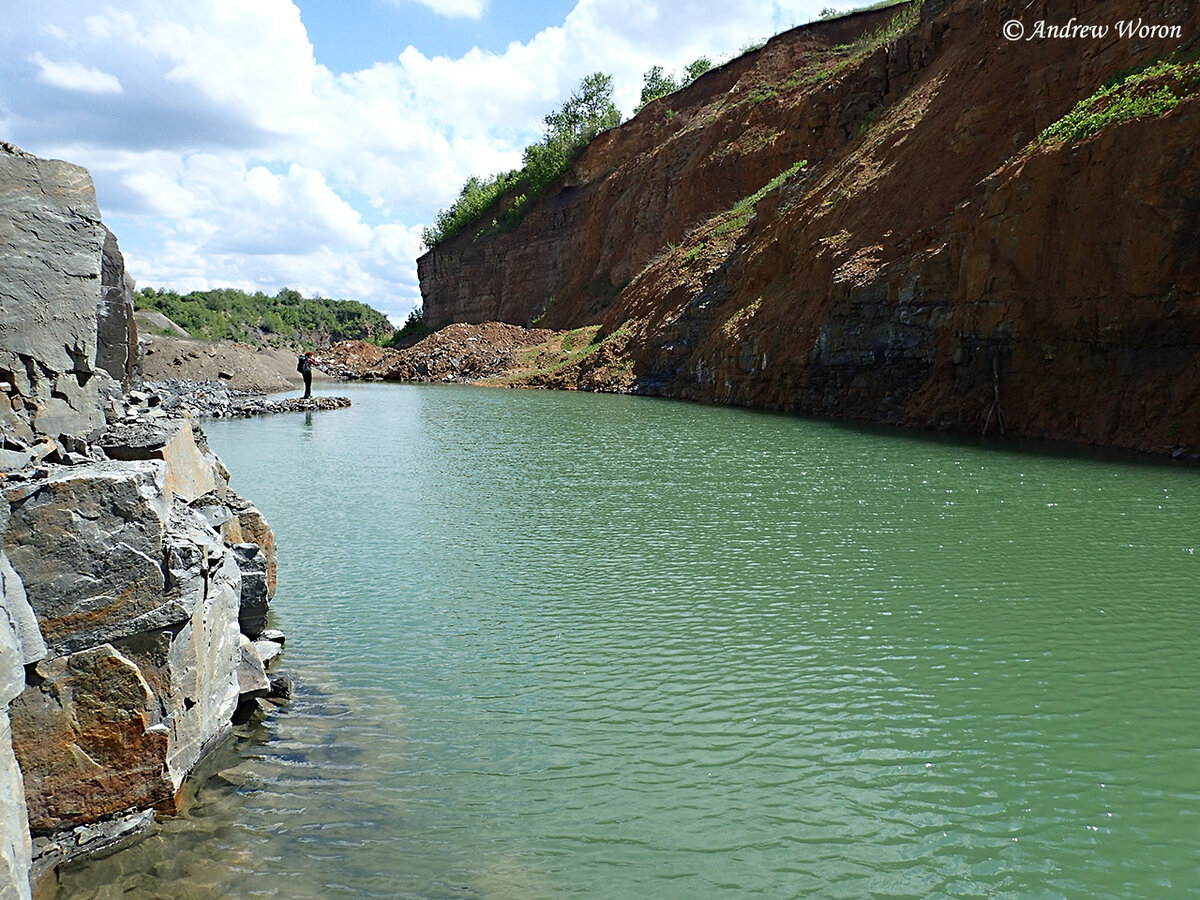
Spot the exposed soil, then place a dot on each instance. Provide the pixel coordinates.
(458, 353)
(924, 258)
(239, 366)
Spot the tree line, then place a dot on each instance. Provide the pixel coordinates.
(285, 319)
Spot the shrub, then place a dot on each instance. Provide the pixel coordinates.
(586, 113)
(1149, 92)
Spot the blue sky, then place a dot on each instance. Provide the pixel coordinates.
(350, 36)
(305, 144)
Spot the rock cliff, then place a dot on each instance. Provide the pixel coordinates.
(134, 579)
(858, 220)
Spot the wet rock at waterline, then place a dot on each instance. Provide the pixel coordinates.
(121, 545)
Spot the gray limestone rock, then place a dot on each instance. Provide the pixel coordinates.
(203, 663)
(125, 597)
(117, 338)
(86, 740)
(87, 542)
(252, 674)
(52, 249)
(93, 841)
(282, 688)
(15, 608)
(15, 848)
(190, 474)
(252, 615)
(267, 651)
(145, 707)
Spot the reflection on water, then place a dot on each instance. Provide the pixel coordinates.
(558, 644)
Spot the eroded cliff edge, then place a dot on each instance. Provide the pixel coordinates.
(135, 581)
(870, 229)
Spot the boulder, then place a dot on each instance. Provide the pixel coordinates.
(87, 542)
(86, 740)
(255, 599)
(189, 474)
(267, 651)
(176, 685)
(252, 527)
(252, 672)
(282, 688)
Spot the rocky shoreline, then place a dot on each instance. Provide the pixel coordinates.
(136, 583)
(214, 400)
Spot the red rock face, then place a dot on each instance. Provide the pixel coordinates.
(86, 748)
(932, 266)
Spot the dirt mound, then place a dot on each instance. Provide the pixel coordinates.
(239, 366)
(458, 353)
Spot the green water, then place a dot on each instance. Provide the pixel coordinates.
(574, 645)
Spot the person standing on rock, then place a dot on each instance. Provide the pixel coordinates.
(305, 366)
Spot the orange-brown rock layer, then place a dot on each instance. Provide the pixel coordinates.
(932, 265)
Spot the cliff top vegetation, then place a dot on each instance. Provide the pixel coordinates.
(585, 114)
(588, 112)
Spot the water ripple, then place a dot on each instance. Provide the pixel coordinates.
(557, 645)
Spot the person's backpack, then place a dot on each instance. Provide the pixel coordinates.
(302, 364)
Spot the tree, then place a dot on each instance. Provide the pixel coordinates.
(587, 112)
(656, 83)
(696, 68)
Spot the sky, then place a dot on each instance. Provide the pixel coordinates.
(263, 144)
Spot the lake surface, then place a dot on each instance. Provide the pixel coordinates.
(554, 644)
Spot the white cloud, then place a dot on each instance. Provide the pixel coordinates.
(468, 9)
(232, 157)
(75, 76)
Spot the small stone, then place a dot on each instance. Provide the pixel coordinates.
(282, 687)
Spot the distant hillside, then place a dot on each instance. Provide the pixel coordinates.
(285, 320)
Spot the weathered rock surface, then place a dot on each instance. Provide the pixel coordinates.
(86, 740)
(932, 265)
(15, 641)
(119, 638)
(188, 474)
(255, 596)
(53, 249)
(88, 543)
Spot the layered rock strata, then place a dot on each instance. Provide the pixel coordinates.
(135, 582)
(932, 263)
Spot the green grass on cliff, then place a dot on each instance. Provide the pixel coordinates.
(739, 215)
(1149, 92)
